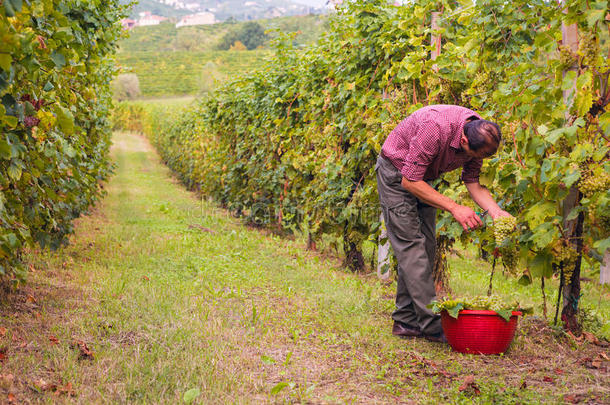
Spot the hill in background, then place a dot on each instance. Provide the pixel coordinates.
(171, 61)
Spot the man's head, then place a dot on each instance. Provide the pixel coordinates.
(481, 138)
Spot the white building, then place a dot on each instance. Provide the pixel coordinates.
(146, 18)
(202, 18)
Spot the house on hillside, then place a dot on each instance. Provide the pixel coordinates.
(202, 18)
(128, 23)
(147, 18)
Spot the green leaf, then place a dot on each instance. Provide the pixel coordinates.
(602, 245)
(525, 279)
(505, 313)
(568, 80)
(542, 129)
(58, 59)
(278, 387)
(8, 8)
(17, 5)
(583, 102)
(14, 172)
(539, 212)
(5, 149)
(574, 213)
(554, 135)
(48, 87)
(5, 61)
(455, 311)
(10, 121)
(65, 119)
(544, 234)
(267, 360)
(571, 177)
(190, 395)
(593, 16)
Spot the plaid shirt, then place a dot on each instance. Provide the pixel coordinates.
(427, 144)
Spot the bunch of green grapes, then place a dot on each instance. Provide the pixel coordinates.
(566, 57)
(503, 229)
(483, 302)
(588, 48)
(565, 254)
(504, 235)
(593, 179)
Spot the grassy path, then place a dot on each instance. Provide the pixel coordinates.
(177, 300)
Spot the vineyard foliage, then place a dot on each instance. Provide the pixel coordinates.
(294, 144)
(55, 74)
(182, 72)
(186, 60)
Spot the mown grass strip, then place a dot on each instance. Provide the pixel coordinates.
(169, 308)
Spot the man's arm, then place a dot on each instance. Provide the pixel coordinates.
(483, 198)
(422, 190)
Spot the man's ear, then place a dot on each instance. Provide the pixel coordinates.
(464, 140)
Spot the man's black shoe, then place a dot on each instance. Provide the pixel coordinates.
(436, 337)
(403, 330)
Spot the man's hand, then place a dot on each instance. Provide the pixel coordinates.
(466, 217)
(498, 213)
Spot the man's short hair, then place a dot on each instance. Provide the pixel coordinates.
(483, 135)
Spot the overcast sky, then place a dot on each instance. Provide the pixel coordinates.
(314, 3)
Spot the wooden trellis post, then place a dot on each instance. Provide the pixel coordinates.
(604, 271)
(573, 228)
(435, 39)
(383, 249)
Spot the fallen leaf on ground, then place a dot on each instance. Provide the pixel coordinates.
(145, 278)
(66, 389)
(42, 385)
(589, 337)
(2, 332)
(201, 228)
(578, 340)
(571, 398)
(548, 379)
(2, 353)
(11, 398)
(604, 356)
(559, 371)
(6, 380)
(470, 384)
(53, 340)
(31, 299)
(85, 352)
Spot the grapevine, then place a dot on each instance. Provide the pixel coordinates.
(55, 75)
(504, 235)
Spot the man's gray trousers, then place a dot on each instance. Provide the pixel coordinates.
(410, 224)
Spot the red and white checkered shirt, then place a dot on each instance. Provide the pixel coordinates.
(427, 144)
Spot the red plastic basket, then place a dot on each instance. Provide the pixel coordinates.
(479, 332)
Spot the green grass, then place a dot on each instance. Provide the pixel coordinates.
(241, 315)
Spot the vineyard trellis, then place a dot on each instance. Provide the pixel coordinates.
(55, 73)
(294, 144)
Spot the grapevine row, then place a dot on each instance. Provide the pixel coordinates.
(54, 129)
